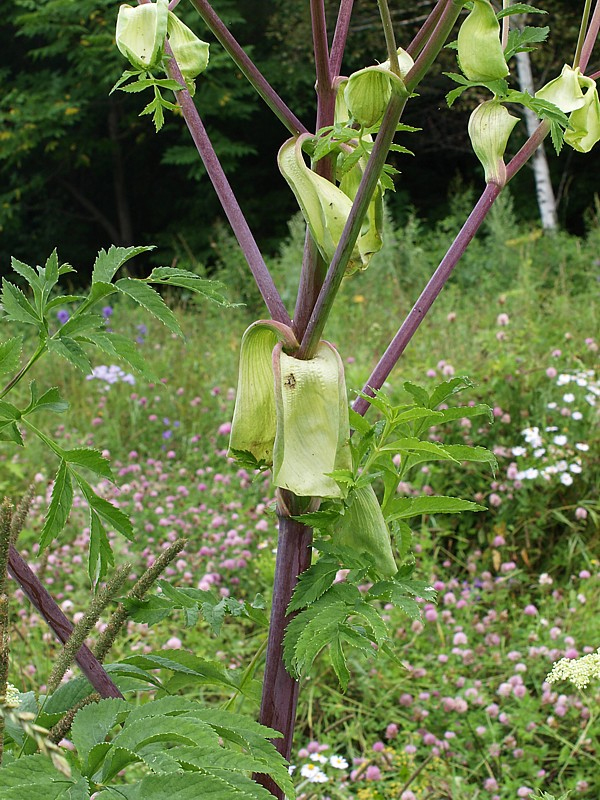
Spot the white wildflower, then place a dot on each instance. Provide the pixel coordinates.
(338, 762)
(313, 774)
(579, 671)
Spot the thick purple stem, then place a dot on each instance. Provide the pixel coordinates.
(369, 180)
(248, 67)
(45, 604)
(340, 35)
(234, 213)
(314, 269)
(280, 690)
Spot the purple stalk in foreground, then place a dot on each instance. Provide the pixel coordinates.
(45, 604)
(280, 690)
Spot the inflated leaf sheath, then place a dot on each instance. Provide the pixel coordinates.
(254, 417)
(564, 91)
(480, 53)
(490, 126)
(141, 32)
(190, 52)
(585, 121)
(364, 530)
(313, 431)
(324, 207)
(368, 91)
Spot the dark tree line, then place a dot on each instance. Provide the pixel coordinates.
(80, 169)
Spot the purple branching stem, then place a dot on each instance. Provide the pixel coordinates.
(369, 181)
(428, 295)
(280, 690)
(313, 269)
(45, 604)
(439, 278)
(340, 35)
(312, 276)
(325, 93)
(248, 67)
(590, 38)
(424, 32)
(234, 213)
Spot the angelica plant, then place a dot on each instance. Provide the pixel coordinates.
(333, 471)
(290, 409)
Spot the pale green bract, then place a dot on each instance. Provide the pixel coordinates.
(141, 32)
(490, 126)
(368, 91)
(564, 91)
(190, 52)
(585, 121)
(480, 53)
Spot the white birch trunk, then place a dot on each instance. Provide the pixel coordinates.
(543, 185)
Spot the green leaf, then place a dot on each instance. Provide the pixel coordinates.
(411, 444)
(9, 432)
(193, 785)
(175, 276)
(71, 351)
(405, 507)
(63, 300)
(182, 662)
(110, 514)
(26, 272)
(418, 392)
(448, 388)
(463, 452)
(60, 505)
(151, 301)
(89, 459)
(320, 519)
(100, 556)
(81, 324)
(338, 662)
(9, 411)
(93, 723)
(310, 631)
(519, 8)
(150, 611)
(524, 40)
(16, 306)
(50, 400)
(313, 583)
(108, 263)
(35, 778)
(10, 355)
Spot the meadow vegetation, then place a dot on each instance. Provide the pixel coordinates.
(464, 711)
